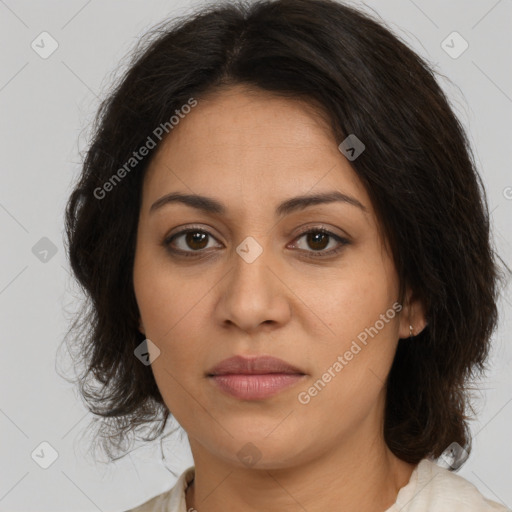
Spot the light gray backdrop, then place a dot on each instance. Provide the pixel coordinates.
(47, 101)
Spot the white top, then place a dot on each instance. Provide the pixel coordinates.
(431, 488)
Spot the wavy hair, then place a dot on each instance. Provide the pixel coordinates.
(417, 168)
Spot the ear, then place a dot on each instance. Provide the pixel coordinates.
(413, 314)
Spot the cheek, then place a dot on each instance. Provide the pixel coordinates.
(168, 311)
(178, 373)
(350, 376)
(351, 298)
(353, 360)
(167, 299)
(175, 327)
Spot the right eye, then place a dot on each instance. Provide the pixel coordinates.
(189, 241)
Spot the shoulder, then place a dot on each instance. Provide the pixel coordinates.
(172, 500)
(433, 487)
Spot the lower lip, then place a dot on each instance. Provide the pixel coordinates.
(255, 387)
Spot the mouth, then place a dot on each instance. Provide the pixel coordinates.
(254, 378)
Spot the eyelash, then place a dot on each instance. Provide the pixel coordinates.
(309, 254)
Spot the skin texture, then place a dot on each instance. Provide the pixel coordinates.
(252, 150)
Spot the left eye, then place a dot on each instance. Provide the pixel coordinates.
(320, 239)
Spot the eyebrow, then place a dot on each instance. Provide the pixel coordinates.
(212, 206)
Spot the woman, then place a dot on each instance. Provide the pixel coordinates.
(286, 246)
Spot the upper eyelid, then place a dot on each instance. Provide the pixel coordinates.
(186, 230)
(304, 231)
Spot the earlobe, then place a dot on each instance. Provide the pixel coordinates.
(413, 318)
(141, 327)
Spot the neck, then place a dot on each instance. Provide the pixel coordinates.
(358, 476)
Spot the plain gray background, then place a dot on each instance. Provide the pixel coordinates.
(47, 105)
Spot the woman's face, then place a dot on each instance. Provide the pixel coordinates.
(247, 281)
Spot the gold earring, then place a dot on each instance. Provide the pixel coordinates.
(410, 331)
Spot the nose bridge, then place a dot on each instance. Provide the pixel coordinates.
(250, 267)
(253, 294)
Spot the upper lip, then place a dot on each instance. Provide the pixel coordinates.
(253, 366)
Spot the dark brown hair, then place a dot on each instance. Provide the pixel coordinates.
(417, 168)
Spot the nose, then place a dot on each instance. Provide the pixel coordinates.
(253, 295)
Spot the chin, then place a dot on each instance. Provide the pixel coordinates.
(261, 450)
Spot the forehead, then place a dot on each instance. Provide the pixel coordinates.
(249, 144)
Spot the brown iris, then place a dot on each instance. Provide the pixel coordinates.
(196, 237)
(316, 240)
